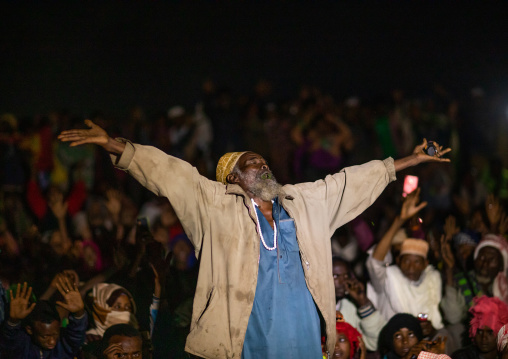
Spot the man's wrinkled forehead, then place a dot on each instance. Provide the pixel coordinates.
(247, 156)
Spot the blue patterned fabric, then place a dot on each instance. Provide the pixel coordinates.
(284, 322)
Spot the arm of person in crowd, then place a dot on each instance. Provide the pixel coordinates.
(410, 207)
(114, 206)
(371, 321)
(59, 208)
(13, 338)
(419, 156)
(74, 335)
(7, 241)
(453, 303)
(375, 263)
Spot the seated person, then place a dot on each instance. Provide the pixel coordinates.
(487, 278)
(399, 335)
(354, 305)
(489, 316)
(402, 337)
(42, 336)
(412, 285)
(120, 341)
(349, 341)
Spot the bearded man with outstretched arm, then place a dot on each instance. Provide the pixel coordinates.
(264, 249)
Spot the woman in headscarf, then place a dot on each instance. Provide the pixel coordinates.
(112, 304)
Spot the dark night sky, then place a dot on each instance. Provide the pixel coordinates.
(112, 55)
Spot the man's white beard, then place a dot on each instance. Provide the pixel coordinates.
(266, 189)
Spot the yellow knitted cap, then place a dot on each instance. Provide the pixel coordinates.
(226, 165)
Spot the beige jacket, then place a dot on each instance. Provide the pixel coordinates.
(219, 222)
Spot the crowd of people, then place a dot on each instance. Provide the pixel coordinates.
(92, 265)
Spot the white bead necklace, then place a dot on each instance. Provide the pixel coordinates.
(261, 233)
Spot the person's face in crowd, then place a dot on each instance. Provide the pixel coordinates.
(342, 347)
(412, 266)
(403, 341)
(90, 257)
(488, 264)
(161, 235)
(340, 275)
(122, 304)
(181, 252)
(59, 245)
(255, 177)
(485, 340)
(427, 328)
(121, 346)
(168, 215)
(45, 335)
(465, 251)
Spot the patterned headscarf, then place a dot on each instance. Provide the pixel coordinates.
(500, 285)
(502, 338)
(490, 312)
(226, 165)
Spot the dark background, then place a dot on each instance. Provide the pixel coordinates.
(111, 56)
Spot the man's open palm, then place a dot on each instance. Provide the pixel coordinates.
(20, 305)
(72, 298)
(95, 135)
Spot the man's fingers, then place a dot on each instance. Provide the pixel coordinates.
(29, 292)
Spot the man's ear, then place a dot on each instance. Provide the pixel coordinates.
(232, 178)
(29, 330)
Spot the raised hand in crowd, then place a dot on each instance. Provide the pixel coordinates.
(410, 207)
(450, 227)
(72, 300)
(448, 259)
(356, 290)
(57, 205)
(20, 306)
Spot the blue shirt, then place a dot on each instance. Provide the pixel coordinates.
(284, 322)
